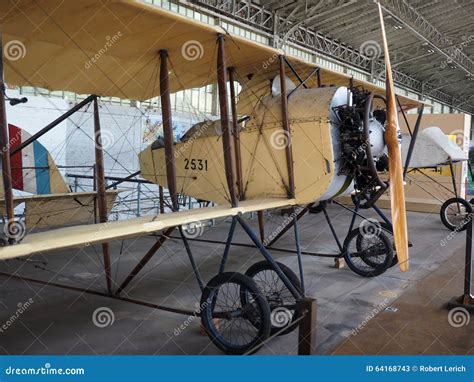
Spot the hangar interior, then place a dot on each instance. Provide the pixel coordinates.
(161, 158)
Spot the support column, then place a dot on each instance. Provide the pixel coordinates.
(5, 145)
(261, 225)
(286, 128)
(236, 131)
(307, 327)
(168, 129)
(224, 109)
(101, 195)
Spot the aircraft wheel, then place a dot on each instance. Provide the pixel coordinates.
(233, 326)
(373, 259)
(283, 304)
(455, 214)
(362, 243)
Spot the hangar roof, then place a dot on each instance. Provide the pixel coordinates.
(431, 41)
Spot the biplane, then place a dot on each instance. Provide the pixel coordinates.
(296, 134)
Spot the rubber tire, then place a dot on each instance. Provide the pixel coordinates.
(265, 265)
(207, 319)
(445, 206)
(385, 227)
(377, 271)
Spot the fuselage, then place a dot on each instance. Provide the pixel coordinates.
(315, 143)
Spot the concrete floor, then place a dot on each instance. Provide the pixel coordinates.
(57, 321)
(421, 324)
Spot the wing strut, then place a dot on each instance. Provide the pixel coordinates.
(286, 129)
(224, 108)
(101, 194)
(168, 129)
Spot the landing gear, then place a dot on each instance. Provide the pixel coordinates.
(283, 304)
(236, 325)
(455, 213)
(369, 257)
(387, 231)
(240, 312)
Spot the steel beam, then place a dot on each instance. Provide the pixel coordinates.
(267, 23)
(126, 179)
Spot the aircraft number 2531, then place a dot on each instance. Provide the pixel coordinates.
(195, 164)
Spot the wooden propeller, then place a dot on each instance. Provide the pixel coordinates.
(397, 194)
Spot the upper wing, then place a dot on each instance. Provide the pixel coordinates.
(76, 236)
(110, 48)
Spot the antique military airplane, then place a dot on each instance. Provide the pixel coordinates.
(298, 134)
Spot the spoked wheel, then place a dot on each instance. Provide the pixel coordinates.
(363, 243)
(283, 304)
(455, 213)
(235, 327)
(371, 260)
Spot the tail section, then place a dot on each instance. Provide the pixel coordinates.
(33, 168)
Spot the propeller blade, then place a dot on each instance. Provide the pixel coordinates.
(397, 194)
